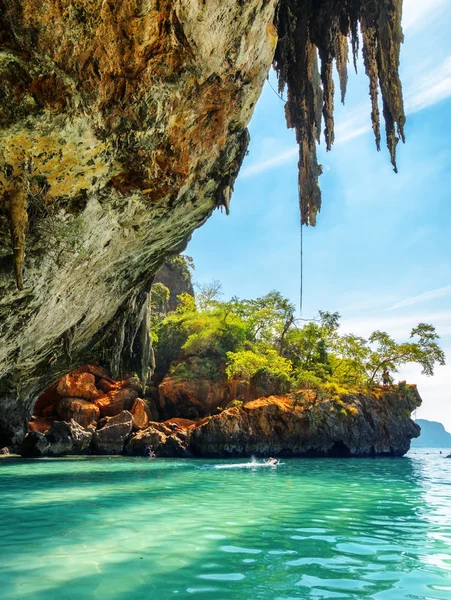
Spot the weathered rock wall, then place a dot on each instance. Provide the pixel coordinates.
(122, 127)
(369, 425)
(372, 424)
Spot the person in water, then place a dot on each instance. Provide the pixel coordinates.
(149, 452)
(272, 461)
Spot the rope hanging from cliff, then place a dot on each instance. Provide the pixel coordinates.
(301, 299)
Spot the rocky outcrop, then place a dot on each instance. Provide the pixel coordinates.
(68, 438)
(34, 445)
(110, 438)
(122, 127)
(78, 385)
(191, 399)
(374, 424)
(81, 411)
(175, 275)
(116, 401)
(61, 439)
(164, 442)
(141, 414)
(359, 425)
(198, 398)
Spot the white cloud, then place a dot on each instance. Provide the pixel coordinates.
(270, 163)
(398, 327)
(431, 295)
(416, 13)
(432, 87)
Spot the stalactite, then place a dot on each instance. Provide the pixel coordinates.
(18, 219)
(311, 28)
(17, 193)
(341, 53)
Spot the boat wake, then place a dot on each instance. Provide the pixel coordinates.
(248, 465)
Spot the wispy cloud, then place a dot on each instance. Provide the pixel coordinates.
(430, 88)
(270, 163)
(431, 295)
(398, 327)
(416, 13)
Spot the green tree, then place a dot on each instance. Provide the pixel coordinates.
(208, 295)
(349, 358)
(388, 354)
(159, 297)
(245, 364)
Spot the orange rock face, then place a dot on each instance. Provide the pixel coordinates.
(47, 402)
(81, 411)
(183, 424)
(116, 401)
(40, 424)
(191, 399)
(140, 414)
(78, 385)
(106, 385)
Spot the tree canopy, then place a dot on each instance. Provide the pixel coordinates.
(242, 339)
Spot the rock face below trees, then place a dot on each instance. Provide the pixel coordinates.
(376, 424)
(359, 425)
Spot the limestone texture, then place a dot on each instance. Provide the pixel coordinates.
(141, 414)
(122, 127)
(369, 425)
(78, 385)
(81, 411)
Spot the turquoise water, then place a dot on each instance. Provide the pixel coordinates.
(130, 528)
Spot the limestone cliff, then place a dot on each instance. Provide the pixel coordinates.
(122, 127)
(361, 425)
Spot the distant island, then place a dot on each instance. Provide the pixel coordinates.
(433, 435)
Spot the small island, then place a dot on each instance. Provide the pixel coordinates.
(235, 378)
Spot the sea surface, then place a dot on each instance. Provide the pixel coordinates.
(155, 529)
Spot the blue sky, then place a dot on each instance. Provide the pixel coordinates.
(381, 251)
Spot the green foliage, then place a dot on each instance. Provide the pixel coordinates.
(159, 297)
(196, 368)
(187, 304)
(208, 294)
(306, 380)
(183, 263)
(388, 354)
(245, 364)
(235, 404)
(260, 342)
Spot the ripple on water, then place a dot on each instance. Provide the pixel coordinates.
(108, 529)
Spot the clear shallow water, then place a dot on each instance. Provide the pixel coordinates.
(125, 528)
